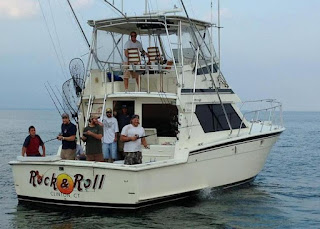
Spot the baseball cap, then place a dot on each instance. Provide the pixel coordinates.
(134, 116)
(108, 110)
(94, 116)
(64, 115)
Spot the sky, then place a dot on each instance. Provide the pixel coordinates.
(269, 48)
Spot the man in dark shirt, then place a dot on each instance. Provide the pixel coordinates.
(123, 120)
(31, 144)
(68, 136)
(92, 134)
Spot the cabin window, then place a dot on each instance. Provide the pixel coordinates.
(212, 117)
(205, 70)
(160, 116)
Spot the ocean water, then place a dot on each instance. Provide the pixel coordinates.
(286, 194)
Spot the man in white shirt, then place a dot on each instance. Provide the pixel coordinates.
(110, 136)
(133, 135)
(132, 43)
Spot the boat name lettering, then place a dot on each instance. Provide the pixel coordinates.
(64, 183)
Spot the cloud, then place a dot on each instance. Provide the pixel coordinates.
(16, 9)
(21, 9)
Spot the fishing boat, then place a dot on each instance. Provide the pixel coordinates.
(200, 134)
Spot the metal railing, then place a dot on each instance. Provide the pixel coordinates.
(269, 111)
(114, 68)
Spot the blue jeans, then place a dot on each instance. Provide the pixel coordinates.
(109, 150)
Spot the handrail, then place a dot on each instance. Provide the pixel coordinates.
(275, 106)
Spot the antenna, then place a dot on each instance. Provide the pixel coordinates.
(146, 7)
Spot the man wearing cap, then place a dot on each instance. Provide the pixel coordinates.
(123, 120)
(110, 136)
(133, 136)
(92, 134)
(68, 136)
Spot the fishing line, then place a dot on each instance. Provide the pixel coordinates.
(51, 38)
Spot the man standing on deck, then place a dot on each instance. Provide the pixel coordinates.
(92, 134)
(110, 136)
(132, 43)
(133, 135)
(32, 143)
(123, 120)
(68, 138)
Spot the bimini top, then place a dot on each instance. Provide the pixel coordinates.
(145, 24)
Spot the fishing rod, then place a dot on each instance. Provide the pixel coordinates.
(56, 98)
(53, 100)
(74, 114)
(50, 140)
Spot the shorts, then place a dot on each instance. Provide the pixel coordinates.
(133, 158)
(127, 73)
(109, 150)
(95, 157)
(68, 154)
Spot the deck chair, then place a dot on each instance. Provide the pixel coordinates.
(134, 56)
(154, 55)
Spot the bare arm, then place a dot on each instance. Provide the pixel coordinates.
(144, 142)
(23, 151)
(69, 139)
(100, 123)
(97, 136)
(43, 151)
(126, 53)
(124, 138)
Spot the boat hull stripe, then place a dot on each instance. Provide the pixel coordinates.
(232, 143)
(188, 91)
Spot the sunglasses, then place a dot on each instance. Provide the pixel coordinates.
(108, 112)
(133, 35)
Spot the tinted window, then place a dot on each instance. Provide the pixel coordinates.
(162, 117)
(206, 70)
(212, 118)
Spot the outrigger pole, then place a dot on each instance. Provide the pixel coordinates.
(193, 28)
(112, 5)
(75, 16)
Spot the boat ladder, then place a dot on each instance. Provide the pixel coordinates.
(91, 111)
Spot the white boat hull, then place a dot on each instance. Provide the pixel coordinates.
(103, 185)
